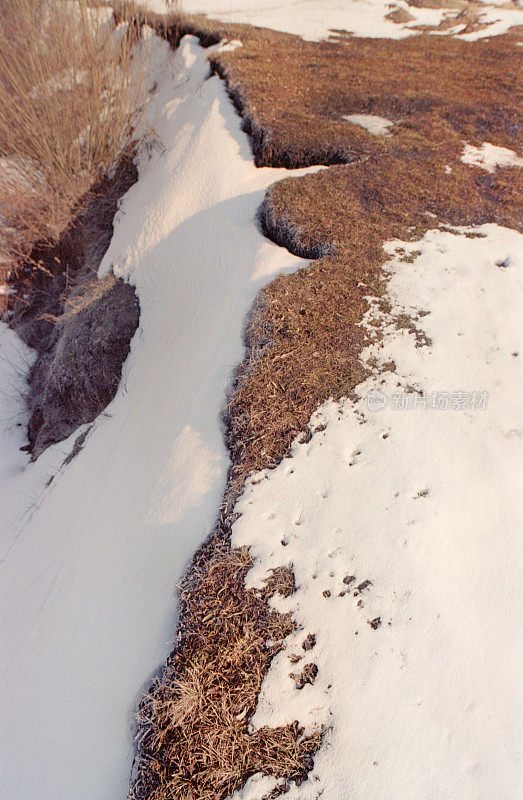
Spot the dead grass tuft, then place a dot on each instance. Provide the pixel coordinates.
(280, 581)
(194, 738)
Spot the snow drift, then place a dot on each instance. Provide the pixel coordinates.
(400, 518)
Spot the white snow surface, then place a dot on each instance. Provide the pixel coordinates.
(423, 503)
(378, 126)
(89, 564)
(316, 19)
(427, 506)
(489, 157)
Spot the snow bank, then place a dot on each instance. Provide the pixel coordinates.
(401, 524)
(87, 601)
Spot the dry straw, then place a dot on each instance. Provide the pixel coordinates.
(71, 88)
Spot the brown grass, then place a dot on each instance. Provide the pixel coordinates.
(293, 94)
(305, 340)
(80, 327)
(304, 337)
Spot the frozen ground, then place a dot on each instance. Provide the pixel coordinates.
(402, 519)
(314, 19)
(89, 565)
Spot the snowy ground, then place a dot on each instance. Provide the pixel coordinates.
(90, 564)
(423, 503)
(489, 157)
(401, 519)
(315, 19)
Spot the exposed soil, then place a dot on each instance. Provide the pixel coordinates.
(304, 337)
(73, 381)
(81, 327)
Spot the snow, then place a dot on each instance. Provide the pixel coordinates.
(315, 19)
(378, 126)
(489, 157)
(90, 562)
(426, 505)
(258, 785)
(17, 494)
(423, 503)
(500, 20)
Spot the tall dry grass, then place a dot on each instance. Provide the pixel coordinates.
(71, 87)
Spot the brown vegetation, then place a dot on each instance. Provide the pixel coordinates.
(304, 337)
(437, 90)
(195, 741)
(70, 98)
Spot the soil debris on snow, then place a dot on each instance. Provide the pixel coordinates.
(415, 664)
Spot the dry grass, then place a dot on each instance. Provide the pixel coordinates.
(194, 740)
(304, 337)
(70, 97)
(293, 94)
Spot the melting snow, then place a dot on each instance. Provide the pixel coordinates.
(90, 565)
(316, 20)
(402, 525)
